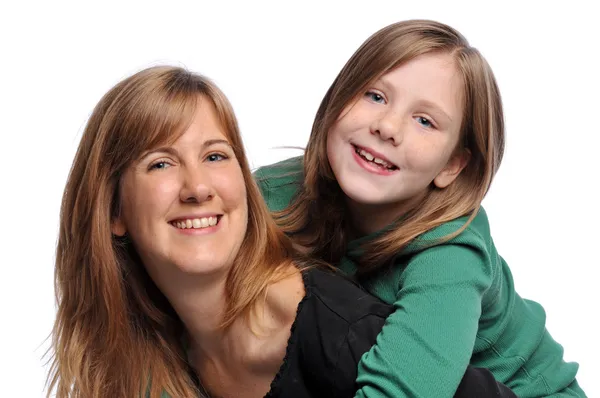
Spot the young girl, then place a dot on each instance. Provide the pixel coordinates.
(403, 150)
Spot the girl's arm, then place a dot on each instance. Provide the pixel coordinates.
(425, 345)
(475, 382)
(331, 360)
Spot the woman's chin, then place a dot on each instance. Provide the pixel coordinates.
(203, 267)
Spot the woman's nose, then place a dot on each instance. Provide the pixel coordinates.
(196, 188)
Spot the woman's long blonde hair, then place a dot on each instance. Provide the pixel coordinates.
(318, 218)
(116, 335)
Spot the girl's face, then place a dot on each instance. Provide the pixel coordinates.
(397, 139)
(184, 205)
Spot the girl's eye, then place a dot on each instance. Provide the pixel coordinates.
(215, 157)
(375, 97)
(424, 122)
(159, 165)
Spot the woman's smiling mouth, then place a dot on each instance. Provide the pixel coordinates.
(196, 223)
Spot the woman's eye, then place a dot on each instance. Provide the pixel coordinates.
(215, 157)
(424, 122)
(159, 166)
(375, 97)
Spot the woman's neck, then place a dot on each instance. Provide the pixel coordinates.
(200, 302)
(242, 359)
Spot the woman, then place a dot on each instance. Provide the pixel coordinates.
(171, 276)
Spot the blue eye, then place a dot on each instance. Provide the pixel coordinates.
(375, 97)
(424, 122)
(159, 165)
(215, 157)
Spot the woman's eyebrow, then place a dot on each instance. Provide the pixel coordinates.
(212, 142)
(165, 149)
(172, 151)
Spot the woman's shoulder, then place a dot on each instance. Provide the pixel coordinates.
(337, 323)
(334, 295)
(318, 297)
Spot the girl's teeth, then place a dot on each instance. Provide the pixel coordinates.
(196, 223)
(373, 159)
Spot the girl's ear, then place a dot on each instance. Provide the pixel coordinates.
(455, 165)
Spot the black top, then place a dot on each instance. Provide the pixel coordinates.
(336, 323)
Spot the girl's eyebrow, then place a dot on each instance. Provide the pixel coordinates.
(423, 102)
(432, 106)
(382, 80)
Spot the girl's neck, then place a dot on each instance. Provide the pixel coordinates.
(367, 218)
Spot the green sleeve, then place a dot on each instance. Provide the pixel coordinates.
(425, 346)
(261, 176)
(280, 182)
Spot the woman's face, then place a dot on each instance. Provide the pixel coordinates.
(184, 205)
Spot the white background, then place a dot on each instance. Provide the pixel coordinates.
(275, 62)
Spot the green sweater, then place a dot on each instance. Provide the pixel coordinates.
(455, 304)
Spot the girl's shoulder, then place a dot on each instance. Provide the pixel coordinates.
(445, 255)
(285, 172)
(280, 182)
(476, 233)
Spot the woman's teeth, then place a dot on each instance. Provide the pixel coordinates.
(203, 222)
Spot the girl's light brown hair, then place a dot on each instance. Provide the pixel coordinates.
(318, 219)
(115, 334)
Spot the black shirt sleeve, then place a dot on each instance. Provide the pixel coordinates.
(360, 338)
